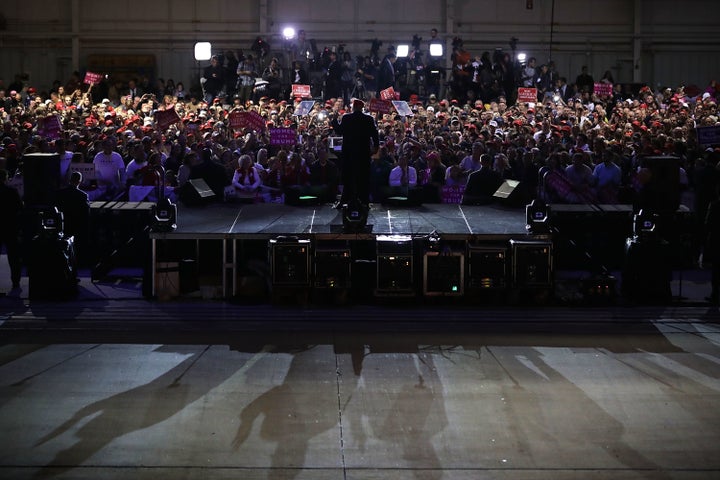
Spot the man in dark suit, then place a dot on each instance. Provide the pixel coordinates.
(482, 183)
(75, 206)
(360, 140)
(386, 75)
(11, 207)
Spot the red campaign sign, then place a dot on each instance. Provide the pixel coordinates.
(603, 88)
(242, 120)
(387, 94)
(165, 118)
(283, 136)
(527, 95)
(93, 78)
(302, 91)
(380, 106)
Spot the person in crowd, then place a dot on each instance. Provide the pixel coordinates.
(273, 76)
(246, 178)
(482, 183)
(403, 177)
(324, 176)
(213, 80)
(246, 75)
(580, 177)
(607, 179)
(109, 171)
(584, 81)
(386, 73)
(75, 207)
(333, 78)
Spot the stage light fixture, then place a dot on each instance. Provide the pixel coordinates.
(288, 33)
(402, 51)
(537, 214)
(521, 57)
(436, 50)
(203, 51)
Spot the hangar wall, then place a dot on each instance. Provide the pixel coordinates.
(660, 42)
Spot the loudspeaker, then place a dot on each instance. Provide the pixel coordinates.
(290, 262)
(196, 192)
(41, 178)
(510, 193)
(444, 274)
(662, 191)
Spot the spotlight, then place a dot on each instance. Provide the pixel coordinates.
(203, 51)
(288, 33)
(402, 51)
(436, 50)
(521, 57)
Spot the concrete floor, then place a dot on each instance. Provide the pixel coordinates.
(632, 400)
(113, 386)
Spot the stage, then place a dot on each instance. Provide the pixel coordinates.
(269, 220)
(400, 251)
(255, 250)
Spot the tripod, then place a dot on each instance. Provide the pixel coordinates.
(358, 90)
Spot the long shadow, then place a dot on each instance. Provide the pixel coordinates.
(133, 410)
(292, 414)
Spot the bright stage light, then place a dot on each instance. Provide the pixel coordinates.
(203, 51)
(436, 50)
(288, 33)
(403, 50)
(521, 57)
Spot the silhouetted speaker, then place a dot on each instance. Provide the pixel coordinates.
(41, 178)
(661, 193)
(510, 193)
(196, 192)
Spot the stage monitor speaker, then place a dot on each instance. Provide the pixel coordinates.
(510, 192)
(532, 263)
(444, 274)
(332, 268)
(487, 267)
(394, 266)
(290, 262)
(197, 192)
(41, 178)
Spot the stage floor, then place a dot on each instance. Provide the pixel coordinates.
(268, 220)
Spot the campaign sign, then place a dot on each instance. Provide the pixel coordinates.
(380, 106)
(527, 95)
(93, 78)
(283, 136)
(452, 193)
(49, 127)
(86, 169)
(708, 135)
(165, 118)
(242, 120)
(402, 108)
(304, 108)
(601, 88)
(387, 94)
(302, 91)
